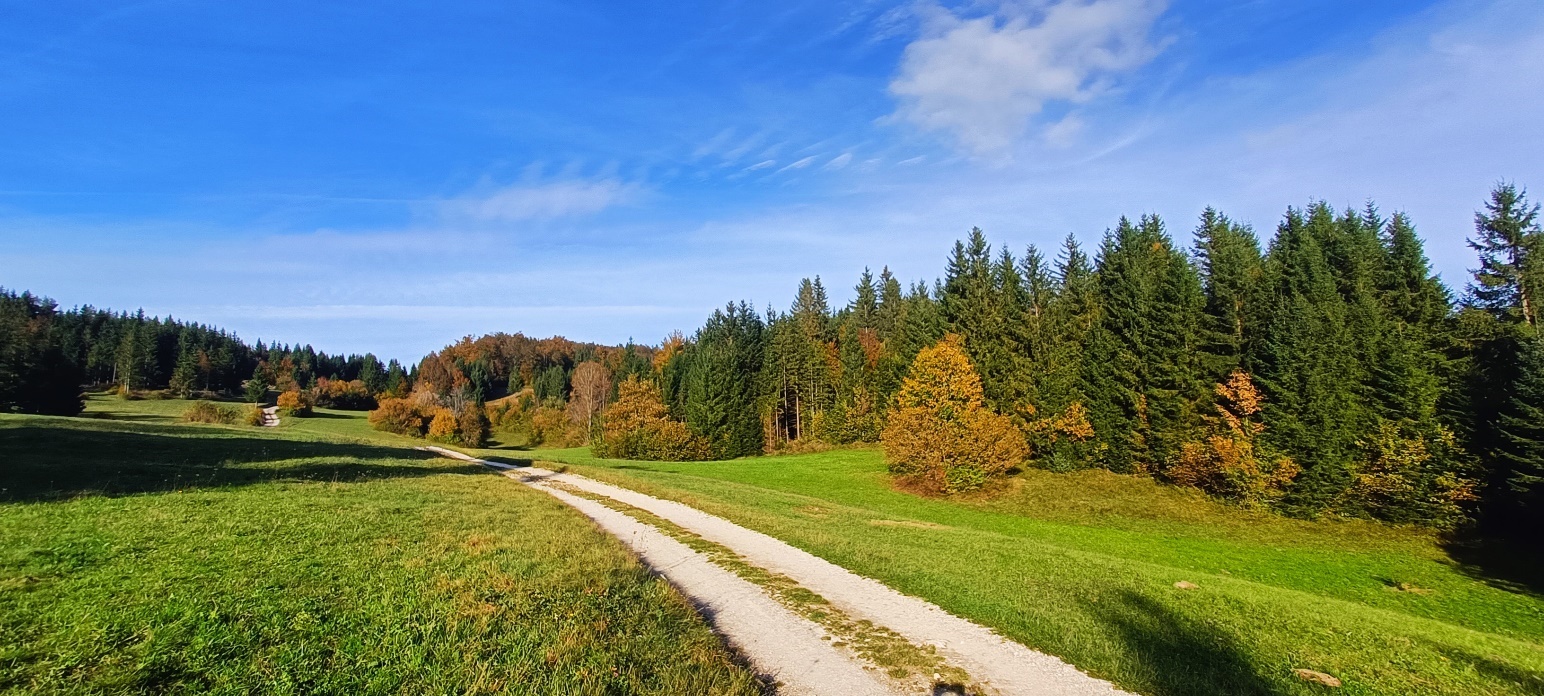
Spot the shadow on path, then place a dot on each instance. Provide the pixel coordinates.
(52, 461)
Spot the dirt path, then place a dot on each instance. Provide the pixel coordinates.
(996, 663)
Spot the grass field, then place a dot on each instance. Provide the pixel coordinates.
(1084, 566)
(138, 555)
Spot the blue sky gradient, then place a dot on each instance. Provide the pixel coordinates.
(391, 176)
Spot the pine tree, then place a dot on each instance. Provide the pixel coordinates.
(1521, 449)
(1306, 362)
(1230, 261)
(1507, 283)
(1141, 372)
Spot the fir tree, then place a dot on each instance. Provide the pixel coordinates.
(1306, 361)
(1521, 450)
(1507, 233)
(1230, 261)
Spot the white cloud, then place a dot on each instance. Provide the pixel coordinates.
(982, 79)
(764, 164)
(799, 164)
(838, 161)
(543, 201)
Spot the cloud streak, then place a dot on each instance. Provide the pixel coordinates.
(543, 201)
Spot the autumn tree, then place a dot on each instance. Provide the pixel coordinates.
(1230, 461)
(590, 392)
(638, 426)
(941, 435)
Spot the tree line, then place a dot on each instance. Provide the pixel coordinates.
(1325, 369)
(49, 355)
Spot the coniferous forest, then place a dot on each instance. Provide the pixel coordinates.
(1320, 369)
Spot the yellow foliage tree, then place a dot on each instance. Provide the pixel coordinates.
(442, 428)
(638, 426)
(1228, 463)
(941, 435)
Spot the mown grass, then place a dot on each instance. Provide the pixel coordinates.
(1084, 566)
(141, 556)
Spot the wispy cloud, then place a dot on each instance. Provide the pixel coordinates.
(982, 79)
(799, 164)
(764, 164)
(543, 201)
(838, 162)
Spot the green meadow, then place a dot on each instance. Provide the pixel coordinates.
(1084, 566)
(141, 555)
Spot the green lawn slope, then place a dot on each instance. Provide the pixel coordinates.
(138, 555)
(1084, 566)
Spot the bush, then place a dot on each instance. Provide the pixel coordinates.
(254, 415)
(442, 427)
(941, 436)
(638, 426)
(348, 396)
(1063, 442)
(1229, 462)
(1411, 475)
(549, 426)
(400, 416)
(295, 403)
(472, 426)
(210, 412)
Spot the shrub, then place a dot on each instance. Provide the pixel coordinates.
(1065, 441)
(348, 396)
(1229, 462)
(442, 428)
(638, 426)
(1411, 475)
(254, 415)
(210, 412)
(548, 426)
(941, 435)
(295, 403)
(472, 426)
(400, 416)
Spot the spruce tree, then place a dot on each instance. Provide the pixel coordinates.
(1306, 361)
(1230, 260)
(720, 381)
(1507, 283)
(1521, 446)
(1141, 371)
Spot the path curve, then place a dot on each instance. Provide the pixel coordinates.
(1002, 665)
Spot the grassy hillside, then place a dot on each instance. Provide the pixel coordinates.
(1084, 566)
(139, 555)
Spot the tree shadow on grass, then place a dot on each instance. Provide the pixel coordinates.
(56, 461)
(1502, 564)
(1175, 654)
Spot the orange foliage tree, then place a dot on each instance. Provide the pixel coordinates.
(941, 435)
(638, 426)
(1229, 462)
(295, 403)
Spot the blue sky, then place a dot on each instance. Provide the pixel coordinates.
(390, 176)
